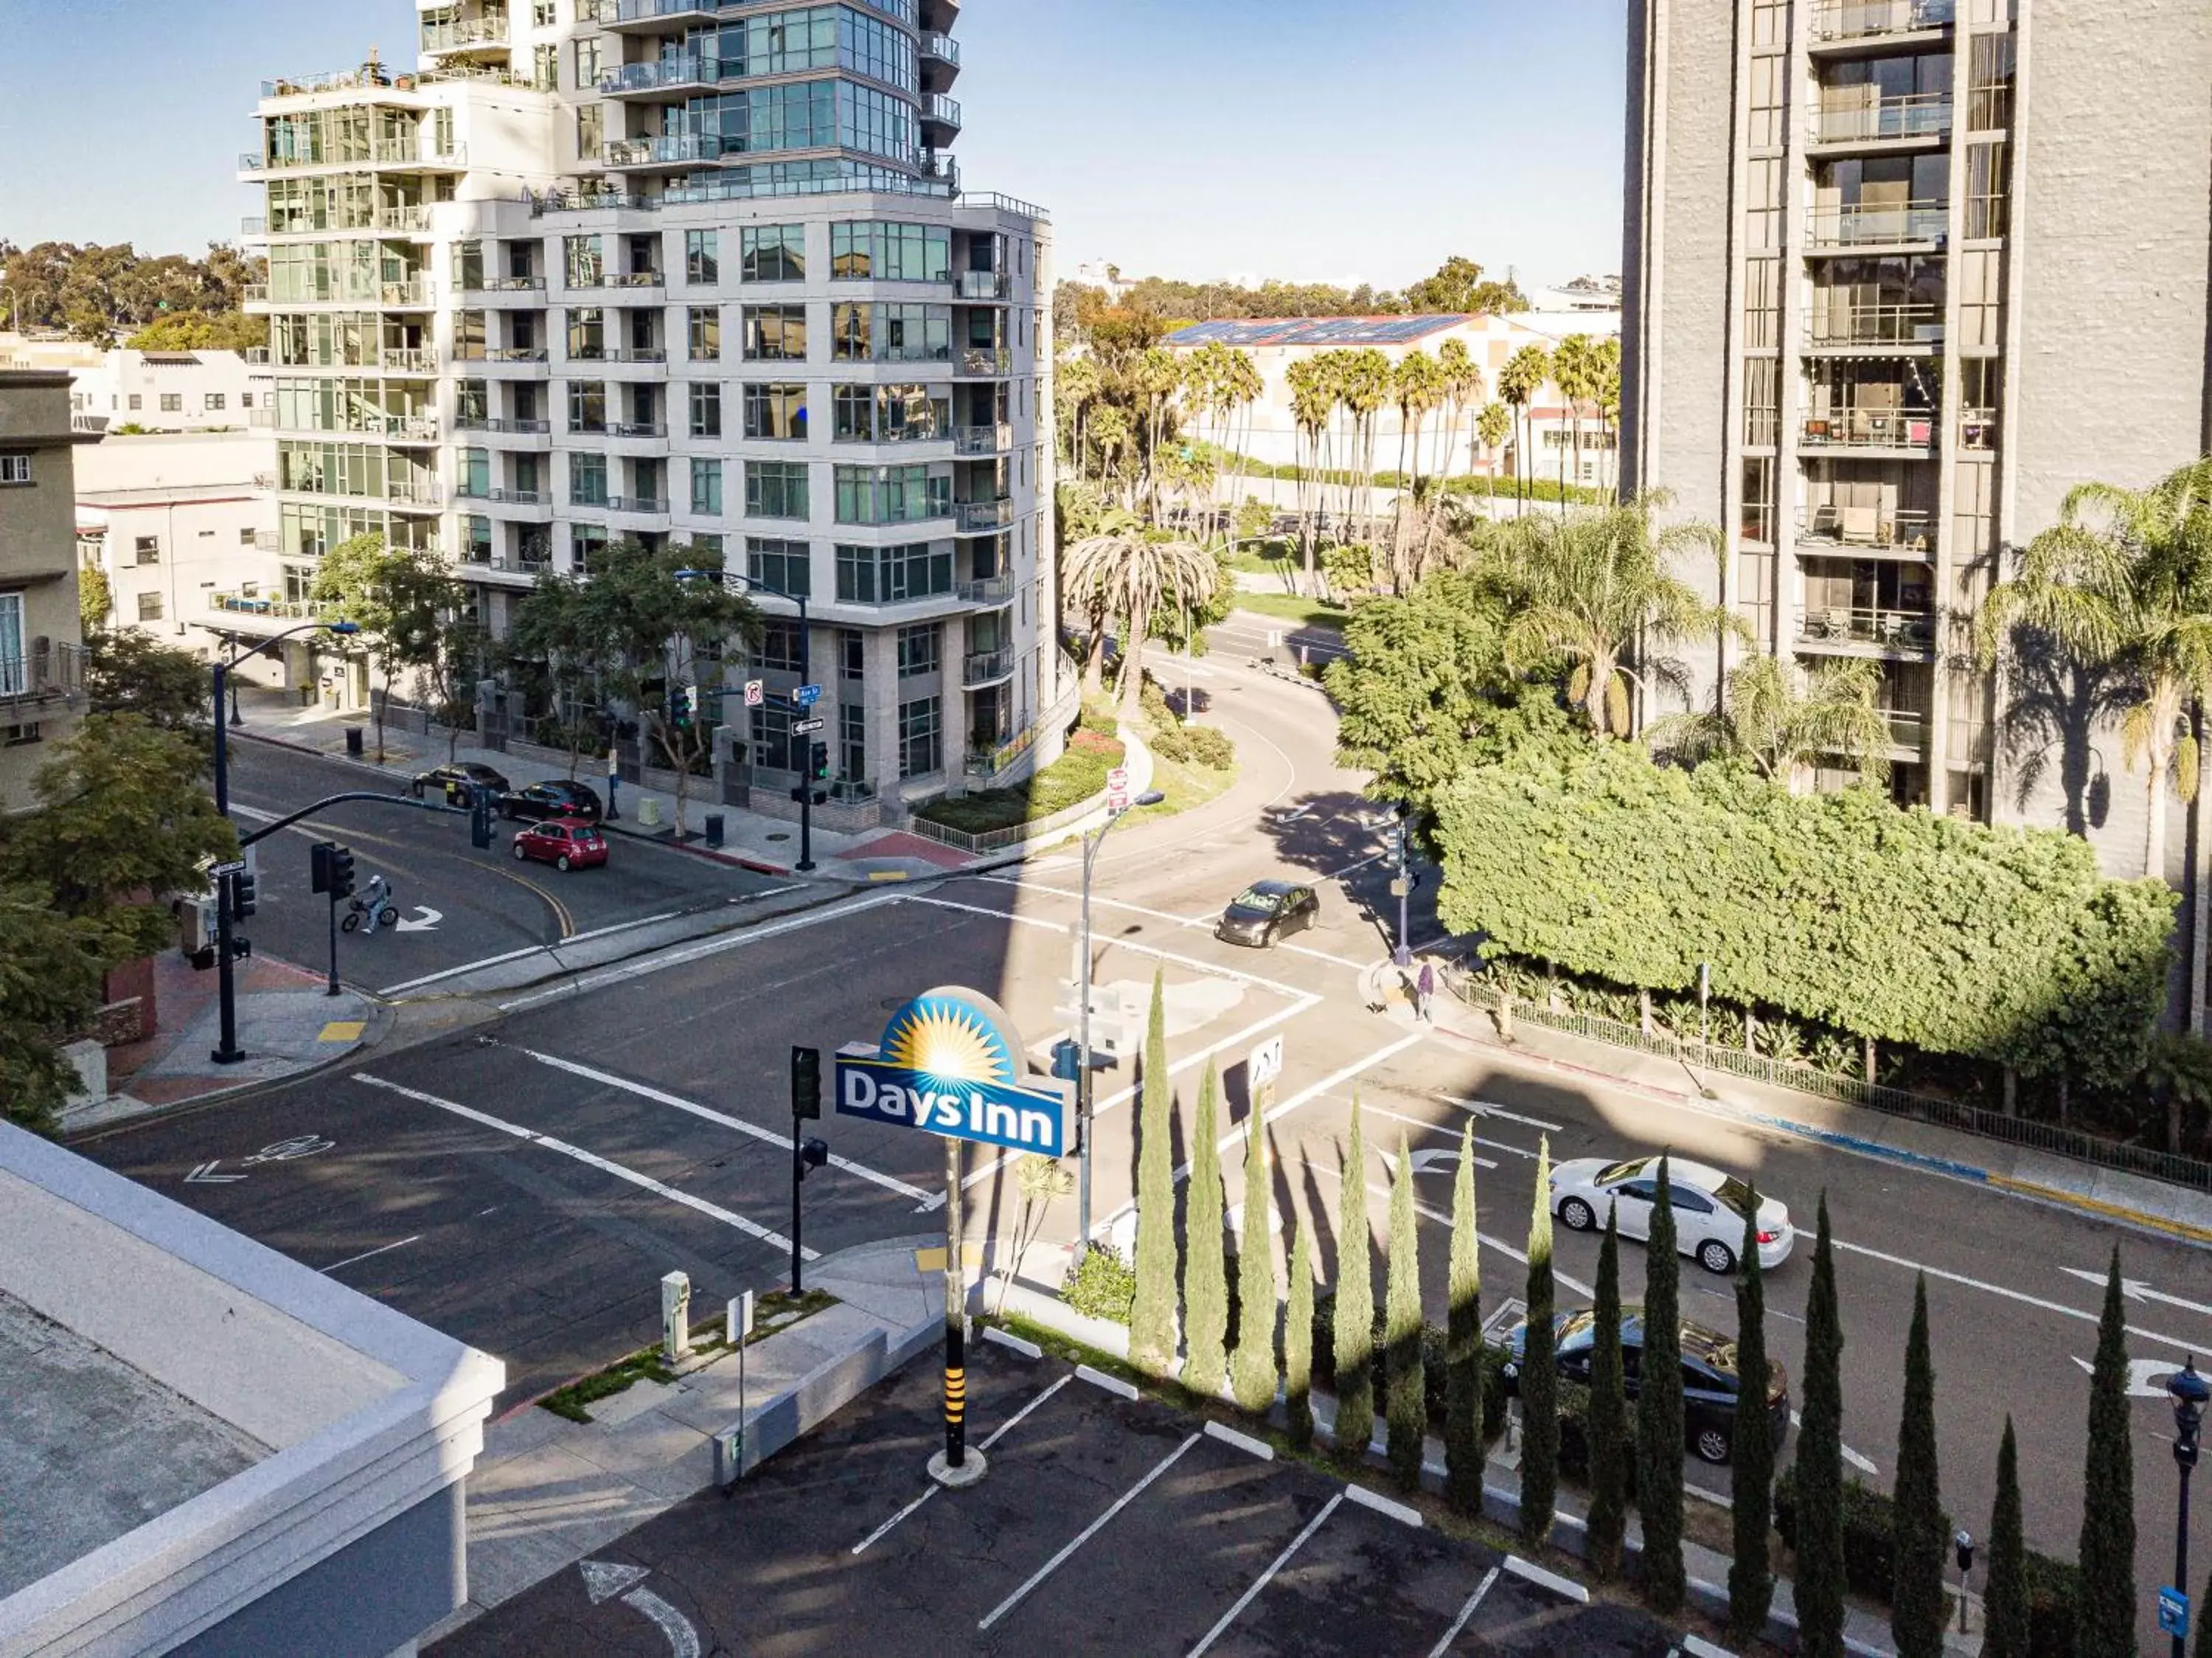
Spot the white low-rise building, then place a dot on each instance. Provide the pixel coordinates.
(195, 391)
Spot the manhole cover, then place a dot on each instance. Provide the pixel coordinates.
(779, 835)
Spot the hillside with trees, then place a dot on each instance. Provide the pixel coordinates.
(1458, 285)
(113, 294)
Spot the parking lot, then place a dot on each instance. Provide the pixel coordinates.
(1105, 1524)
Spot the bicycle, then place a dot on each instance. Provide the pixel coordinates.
(373, 914)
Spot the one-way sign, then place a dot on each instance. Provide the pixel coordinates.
(800, 728)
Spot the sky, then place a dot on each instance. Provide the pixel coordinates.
(1309, 140)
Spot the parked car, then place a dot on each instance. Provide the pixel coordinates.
(1710, 1381)
(454, 781)
(1265, 911)
(1709, 1207)
(565, 843)
(558, 798)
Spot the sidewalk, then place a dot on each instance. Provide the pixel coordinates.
(2108, 1194)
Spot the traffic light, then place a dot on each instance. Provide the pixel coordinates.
(818, 761)
(242, 894)
(805, 1081)
(318, 866)
(679, 707)
(341, 872)
(812, 1154)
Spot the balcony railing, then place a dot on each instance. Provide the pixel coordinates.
(274, 610)
(635, 11)
(1870, 429)
(660, 152)
(1908, 728)
(515, 354)
(466, 32)
(1919, 115)
(982, 440)
(689, 68)
(409, 359)
(977, 515)
(981, 284)
(1890, 629)
(518, 427)
(984, 362)
(987, 590)
(981, 668)
(415, 492)
(945, 111)
(635, 354)
(506, 285)
(638, 503)
(1916, 324)
(47, 673)
(640, 428)
(256, 356)
(1879, 225)
(519, 497)
(254, 224)
(635, 279)
(1875, 529)
(943, 47)
(1853, 20)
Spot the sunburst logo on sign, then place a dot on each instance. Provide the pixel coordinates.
(948, 1042)
(950, 1064)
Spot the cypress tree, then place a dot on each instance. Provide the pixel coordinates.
(2204, 1622)
(1407, 1395)
(1152, 1314)
(1298, 1346)
(1539, 1378)
(2004, 1596)
(1205, 1270)
(1355, 1305)
(1751, 1465)
(1252, 1372)
(1463, 1344)
(1608, 1411)
(2104, 1617)
(1819, 1583)
(1659, 1412)
(1917, 1611)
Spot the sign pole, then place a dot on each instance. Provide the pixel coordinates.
(333, 989)
(955, 1465)
(797, 1174)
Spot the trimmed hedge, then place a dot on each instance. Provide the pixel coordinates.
(1102, 1285)
(2007, 944)
(1076, 776)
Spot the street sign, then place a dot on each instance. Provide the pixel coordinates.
(1117, 781)
(235, 867)
(614, 763)
(807, 695)
(754, 693)
(950, 1064)
(800, 728)
(1263, 1069)
(2173, 1613)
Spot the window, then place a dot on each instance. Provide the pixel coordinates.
(475, 473)
(1989, 168)
(148, 550)
(1762, 303)
(1763, 194)
(870, 250)
(1763, 130)
(588, 64)
(246, 535)
(921, 740)
(702, 257)
(476, 549)
(781, 646)
(1761, 382)
(773, 748)
(775, 252)
(588, 333)
(14, 468)
(705, 328)
(150, 607)
(706, 410)
(587, 406)
(918, 648)
(1981, 395)
(586, 543)
(785, 567)
(245, 399)
(891, 495)
(136, 402)
(775, 489)
(707, 487)
(1989, 83)
(852, 741)
(582, 260)
(775, 333)
(891, 576)
(852, 654)
(587, 480)
(215, 403)
(775, 411)
(591, 132)
(173, 403)
(543, 14)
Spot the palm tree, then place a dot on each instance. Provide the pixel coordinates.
(1463, 389)
(1419, 385)
(1368, 382)
(1589, 589)
(1579, 372)
(1518, 382)
(1156, 377)
(2123, 581)
(1125, 574)
(1110, 430)
(1311, 401)
(1781, 718)
(1608, 395)
(1075, 386)
(1493, 424)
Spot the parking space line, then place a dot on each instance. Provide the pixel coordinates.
(2175, 1343)
(381, 1249)
(1244, 1443)
(1089, 1531)
(1465, 1612)
(1578, 1593)
(1427, 1127)
(1401, 1513)
(713, 1211)
(999, 1433)
(708, 1113)
(1207, 919)
(1265, 1577)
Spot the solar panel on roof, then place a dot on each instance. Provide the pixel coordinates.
(1314, 331)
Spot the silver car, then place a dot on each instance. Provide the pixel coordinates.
(1709, 1207)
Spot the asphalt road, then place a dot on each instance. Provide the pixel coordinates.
(662, 1082)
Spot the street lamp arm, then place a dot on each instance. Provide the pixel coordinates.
(346, 629)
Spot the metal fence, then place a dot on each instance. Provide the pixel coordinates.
(1477, 992)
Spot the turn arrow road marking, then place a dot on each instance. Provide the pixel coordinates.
(205, 1175)
(2135, 1289)
(2141, 1375)
(429, 920)
(603, 1580)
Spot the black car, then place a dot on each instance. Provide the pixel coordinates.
(454, 781)
(1265, 911)
(560, 798)
(1708, 1375)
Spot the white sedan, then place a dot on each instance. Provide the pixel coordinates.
(1709, 1207)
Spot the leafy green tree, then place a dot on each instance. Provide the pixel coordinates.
(127, 672)
(464, 658)
(1252, 1374)
(98, 292)
(559, 633)
(1463, 1446)
(1205, 1277)
(201, 331)
(1459, 285)
(50, 966)
(1608, 1411)
(1297, 1344)
(2004, 1595)
(96, 598)
(1407, 1391)
(2105, 1615)
(1819, 1588)
(1578, 370)
(401, 598)
(1659, 1409)
(1152, 1320)
(1539, 1376)
(2204, 1648)
(1783, 718)
(1751, 1460)
(1916, 1605)
(1355, 1305)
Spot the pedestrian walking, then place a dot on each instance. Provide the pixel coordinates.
(1424, 992)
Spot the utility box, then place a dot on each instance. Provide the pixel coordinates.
(675, 1316)
(195, 921)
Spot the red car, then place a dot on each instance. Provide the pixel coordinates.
(564, 842)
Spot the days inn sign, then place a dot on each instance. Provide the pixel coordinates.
(950, 1064)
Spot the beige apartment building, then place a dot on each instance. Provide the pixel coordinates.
(41, 640)
(1900, 273)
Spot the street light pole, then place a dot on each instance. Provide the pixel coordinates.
(2190, 1391)
(1091, 843)
(1403, 956)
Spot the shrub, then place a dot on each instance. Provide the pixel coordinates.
(1869, 1541)
(1076, 776)
(1102, 1285)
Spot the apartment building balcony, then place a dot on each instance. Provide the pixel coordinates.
(527, 431)
(410, 429)
(669, 153)
(252, 226)
(940, 120)
(979, 668)
(1865, 632)
(467, 36)
(639, 506)
(518, 362)
(47, 673)
(504, 286)
(653, 16)
(408, 360)
(980, 517)
(244, 613)
(1908, 732)
(638, 428)
(669, 81)
(1907, 226)
(1911, 329)
(990, 591)
(1909, 433)
(1919, 121)
(424, 493)
(506, 568)
(940, 62)
(500, 495)
(983, 440)
(634, 281)
(981, 284)
(1848, 24)
(983, 363)
(1883, 532)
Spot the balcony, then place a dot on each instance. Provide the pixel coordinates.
(639, 429)
(252, 225)
(415, 492)
(515, 354)
(940, 49)
(671, 150)
(662, 16)
(256, 357)
(517, 427)
(1885, 224)
(49, 673)
(1924, 117)
(1865, 20)
(506, 285)
(1839, 327)
(408, 360)
(270, 610)
(982, 440)
(634, 279)
(1906, 431)
(507, 497)
(1907, 632)
(987, 590)
(506, 564)
(977, 517)
(941, 113)
(467, 34)
(1889, 532)
(401, 429)
(634, 354)
(982, 667)
(981, 284)
(1908, 729)
(974, 362)
(651, 506)
(671, 80)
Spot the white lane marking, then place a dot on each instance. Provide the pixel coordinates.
(2135, 1289)
(1547, 1580)
(2163, 1340)
(1465, 1612)
(686, 955)
(554, 949)
(682, 1639)
(1252, 1593)
(1864, 1464)
(605, 1579)
(1087, 1533)
(1487, 1108)
(708, 1113)
(713, 1211)
(2147, 1378)
(366, 1253)
(1439, 1218)
(999, 1433)
(465, 967)
(1433, 1157)
(1382, 1505)
(1205, 920)
(1065, 929)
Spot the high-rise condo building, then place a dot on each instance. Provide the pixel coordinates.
(695, 273)
(1900, 274)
